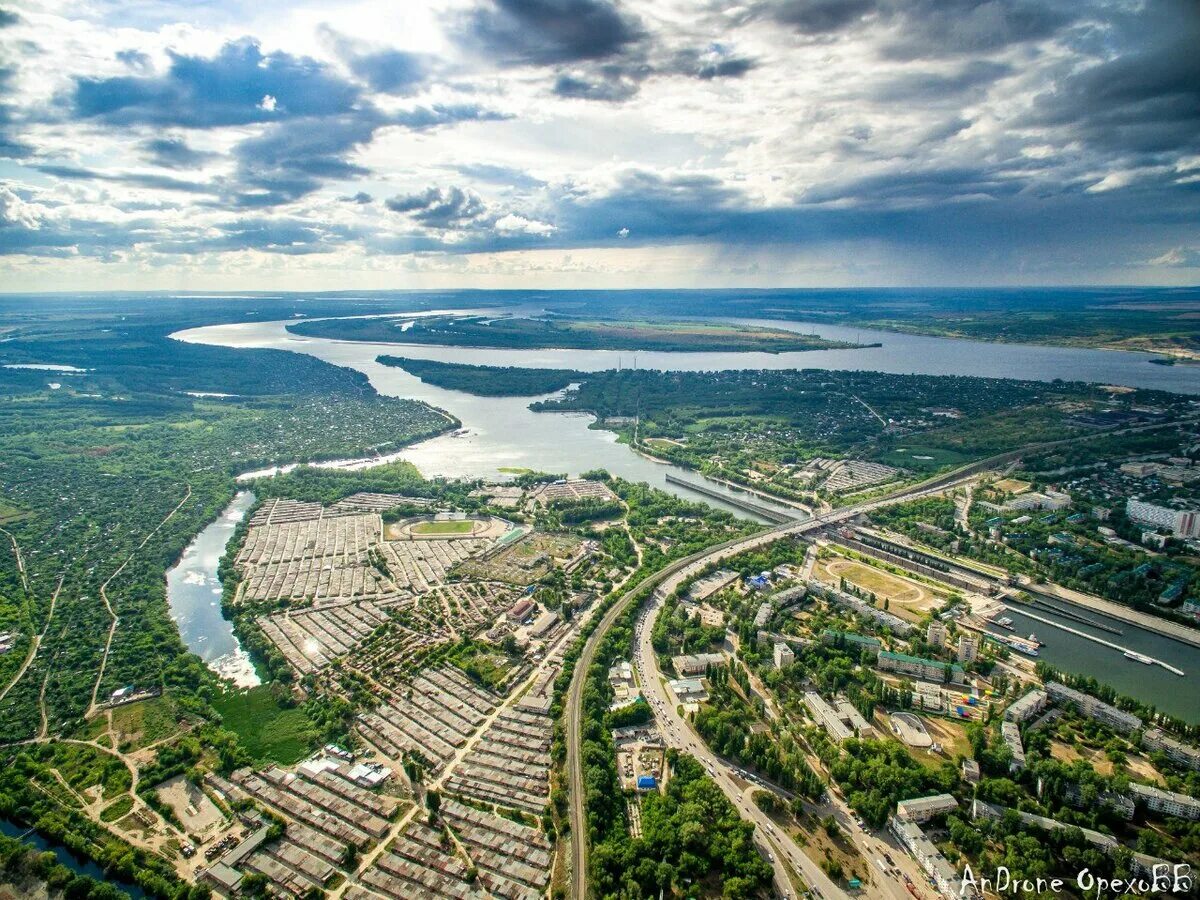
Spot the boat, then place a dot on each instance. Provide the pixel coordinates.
(1139, 657)
(1034, 639)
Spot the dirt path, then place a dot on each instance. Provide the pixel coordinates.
(112, 629)
(34, 646)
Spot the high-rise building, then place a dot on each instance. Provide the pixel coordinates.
(783, 655)
(935, 634)
(968, 648)
(1180, 522)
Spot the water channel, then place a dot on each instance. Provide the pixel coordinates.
(501, 434)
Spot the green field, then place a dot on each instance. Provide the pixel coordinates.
(269, 732)
(514, 332)
(459, 527)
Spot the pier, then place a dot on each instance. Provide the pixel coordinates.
(771, 514)
(1094, 639)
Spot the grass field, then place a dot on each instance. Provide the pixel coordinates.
(1012, 485)
(268, 731)
(139, 724)
(461, 527)
(903, 595)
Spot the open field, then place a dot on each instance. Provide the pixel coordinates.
(906, 597)
(268, 731)
(563, 333)
(135, 725)
(1012, 485)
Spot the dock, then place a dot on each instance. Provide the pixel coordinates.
(1096, 640)
(771, 514)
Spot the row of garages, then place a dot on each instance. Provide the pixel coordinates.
(437, 715)
(510, 765)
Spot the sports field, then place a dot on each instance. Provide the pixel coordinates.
(906, 597)
(462, 526)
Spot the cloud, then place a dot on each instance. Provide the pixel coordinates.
(15, 211)
(514, 224)
(136, 59)
(291, 237)
(440, 208)
(1146, 99)
(173, 153)
(230, 88)
(385, 69)
(8, 18)
(361, 198)
(1177, 257)
(129, 179)
(549, 32)
(819, 16)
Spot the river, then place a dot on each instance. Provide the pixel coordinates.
(194, 596)
(501, 433)
(76, 864)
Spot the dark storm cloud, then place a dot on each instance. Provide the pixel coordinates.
(550, 32)
(129, 179)
(441, 208)
(173, 153)
(1145, 101)
(820, 16)
(238, 86)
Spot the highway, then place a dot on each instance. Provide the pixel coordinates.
(690, 565)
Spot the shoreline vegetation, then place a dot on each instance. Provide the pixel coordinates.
(562, 333)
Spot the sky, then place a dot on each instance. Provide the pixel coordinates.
(268, 145)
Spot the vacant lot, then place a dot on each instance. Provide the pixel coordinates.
(139, 724)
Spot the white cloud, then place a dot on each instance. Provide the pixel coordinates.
(514, 224)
